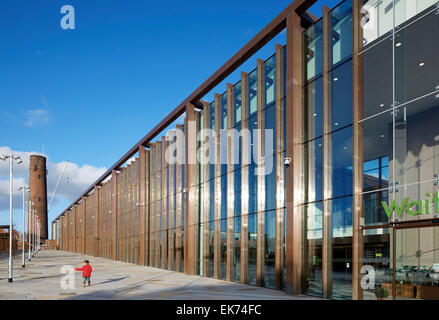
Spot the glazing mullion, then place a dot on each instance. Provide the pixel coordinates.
(230, 266)
(245, 159)
(280, 176)
(260, 162)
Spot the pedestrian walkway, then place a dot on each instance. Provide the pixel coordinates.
(41, 279)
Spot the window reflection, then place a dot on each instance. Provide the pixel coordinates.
(341, 17)
(313, 260)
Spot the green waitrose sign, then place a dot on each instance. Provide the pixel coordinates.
(414, 208)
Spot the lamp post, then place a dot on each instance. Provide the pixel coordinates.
(33, 232)
(36, 235)
(24, 189)
(29, 226)
(11, 158)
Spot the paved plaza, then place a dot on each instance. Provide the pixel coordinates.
(41, 280)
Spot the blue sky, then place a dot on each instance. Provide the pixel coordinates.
(89, 94)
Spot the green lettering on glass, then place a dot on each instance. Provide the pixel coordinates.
(394, 207)
(422, 206)
(418, 205)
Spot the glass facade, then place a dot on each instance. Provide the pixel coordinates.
(368, 169)
(398, 161)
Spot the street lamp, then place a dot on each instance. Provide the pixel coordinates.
(29, 226)
(38, 236)
(24, 189)
(11, 158)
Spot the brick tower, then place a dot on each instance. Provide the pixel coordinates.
(38, 192)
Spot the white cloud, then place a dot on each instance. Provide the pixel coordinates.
(37, 118)
(75, 180)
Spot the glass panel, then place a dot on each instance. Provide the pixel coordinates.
(270, 184)
(211, 249)
(270, 249)
(342, 96)
(237, 249)
(417, 58)
(372, 207)
(253, 92)
(417, 263)
(377, 272)
(224, 111)
(413, 202)
(341, 144)
(313, 109)
(223, 248)
(270, 80)
(237, 187)
(407, 10)
(377, 78)
(313, 153)
(223, 196)
(270, 132)
(253, 189)
(341, 210)
(252, 248)
(238, 97)
(313, 43)
(341, 31)
(378, 19)
(212, 200)
(377, 150)
(416, 142)
(313, 256)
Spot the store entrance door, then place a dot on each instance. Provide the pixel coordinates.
(416, 263)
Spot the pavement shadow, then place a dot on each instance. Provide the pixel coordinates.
(110, 281)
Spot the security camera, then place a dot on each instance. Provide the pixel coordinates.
(287, 161)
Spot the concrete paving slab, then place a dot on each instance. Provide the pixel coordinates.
(41, 280)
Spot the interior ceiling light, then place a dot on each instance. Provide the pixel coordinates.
(422, 64)
(335, 79)
(399, 44)
(382, 105)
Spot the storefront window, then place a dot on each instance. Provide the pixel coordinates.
(313, 260)
(270, 249)
(377, 264)
(341, 247)
(252, 248)
(210, 252)
(223, 249)
(237, 248)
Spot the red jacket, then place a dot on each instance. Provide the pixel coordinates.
(86, 270)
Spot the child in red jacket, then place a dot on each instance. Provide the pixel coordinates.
(86, 272)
